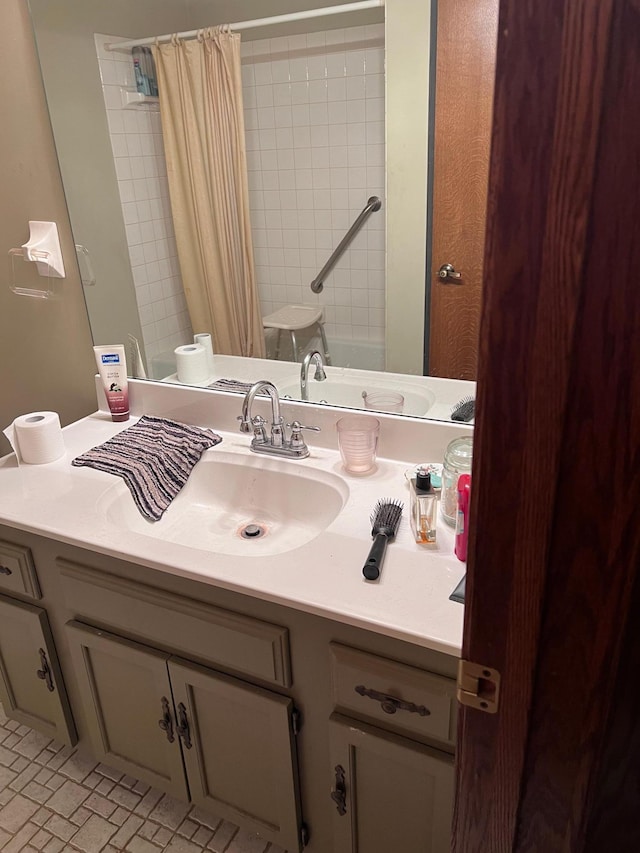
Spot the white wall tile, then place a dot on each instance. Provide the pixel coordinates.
(336, 89)
(287, 177)
(262, 73)
(280, 71)
(319, 136)
(282, 117)
(298, 70)
(266, 117)
(356, 111)
(300, 115)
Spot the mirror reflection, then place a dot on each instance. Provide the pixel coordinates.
(336, 112)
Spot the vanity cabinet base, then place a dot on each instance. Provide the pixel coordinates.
(202, 736)
(242, 706)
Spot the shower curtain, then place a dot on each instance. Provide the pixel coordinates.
(200, 93)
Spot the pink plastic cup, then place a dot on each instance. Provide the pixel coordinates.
(358, 442)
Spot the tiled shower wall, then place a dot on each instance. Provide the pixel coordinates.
(314, 118)
(136, 140)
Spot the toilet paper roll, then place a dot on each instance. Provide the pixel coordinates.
(36, 438)
(205, 339)
(192, 364)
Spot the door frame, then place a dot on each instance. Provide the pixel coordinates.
(554, 556)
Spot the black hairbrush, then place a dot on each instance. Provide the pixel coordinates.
(385, 520)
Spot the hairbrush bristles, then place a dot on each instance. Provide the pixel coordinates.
(464, 410)
(385, 517)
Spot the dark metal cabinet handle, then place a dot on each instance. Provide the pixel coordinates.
(5, 570)
(45, 672)
(339, 793)
(183, 726)
(391, 704)
(166, 723)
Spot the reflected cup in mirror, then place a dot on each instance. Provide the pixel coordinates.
(383, 401)
(358, 442)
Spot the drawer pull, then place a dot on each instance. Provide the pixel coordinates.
(166, 723)
(45, 672)
(5, 570)
(391, 704)
(183, 726)
(339, 793)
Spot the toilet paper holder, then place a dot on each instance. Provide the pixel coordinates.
(42, 248)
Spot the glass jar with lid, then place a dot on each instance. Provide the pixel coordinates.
(457, 460)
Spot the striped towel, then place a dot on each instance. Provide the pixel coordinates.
(154, 457)
(231, 385)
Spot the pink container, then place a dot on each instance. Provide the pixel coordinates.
(462, 517)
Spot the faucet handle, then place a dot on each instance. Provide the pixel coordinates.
(297, 441)
(259, 431)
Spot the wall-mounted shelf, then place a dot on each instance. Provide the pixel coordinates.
(43, 249)
(132, 99)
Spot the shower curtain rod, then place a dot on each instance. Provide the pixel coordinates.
(258, 22)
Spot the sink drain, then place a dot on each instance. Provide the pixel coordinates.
(252, 531)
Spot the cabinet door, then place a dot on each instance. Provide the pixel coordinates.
(128, 708)
(239, 751)
(388, 793)
(31, 686)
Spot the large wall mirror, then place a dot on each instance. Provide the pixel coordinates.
(392, 101)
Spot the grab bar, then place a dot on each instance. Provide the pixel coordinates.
(373, 204)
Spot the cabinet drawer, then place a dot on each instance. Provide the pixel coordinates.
(240, 643)
(17, 570)
(400, 697)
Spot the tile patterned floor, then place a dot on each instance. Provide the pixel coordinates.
(52, 800)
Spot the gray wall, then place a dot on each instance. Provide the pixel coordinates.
(46, 360)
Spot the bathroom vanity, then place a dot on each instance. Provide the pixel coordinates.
(275, 687)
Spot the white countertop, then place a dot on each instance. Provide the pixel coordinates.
(324, 576)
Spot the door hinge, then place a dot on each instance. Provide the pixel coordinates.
(478, 686)
(296, 721)
(304, 835)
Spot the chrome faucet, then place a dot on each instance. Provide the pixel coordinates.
(319, 375)
(277, 443)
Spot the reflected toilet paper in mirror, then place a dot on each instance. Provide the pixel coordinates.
(192, 364)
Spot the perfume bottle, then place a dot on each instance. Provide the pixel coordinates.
(424, 507)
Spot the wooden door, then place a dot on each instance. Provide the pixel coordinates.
(31, 685)
(126, 695)
(465, 71)
(553, 586)
(239, 752)
(389, 793)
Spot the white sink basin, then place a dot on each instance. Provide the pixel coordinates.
(290, 502)
(349, 394)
